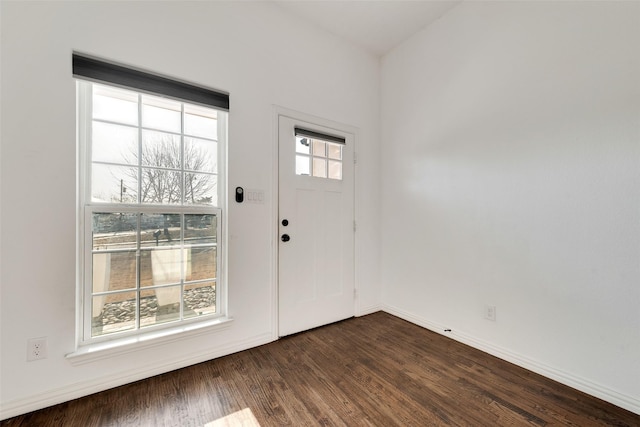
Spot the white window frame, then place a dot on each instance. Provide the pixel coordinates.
(86, 208)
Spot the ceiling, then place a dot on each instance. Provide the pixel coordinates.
(376, 26)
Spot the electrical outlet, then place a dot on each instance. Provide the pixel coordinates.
(36, 349)
(490, 312)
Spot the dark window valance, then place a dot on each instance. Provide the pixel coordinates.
(102, 71)
(319, 135)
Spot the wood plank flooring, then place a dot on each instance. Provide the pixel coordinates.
(375, 370)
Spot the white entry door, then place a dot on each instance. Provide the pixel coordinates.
(316, 226)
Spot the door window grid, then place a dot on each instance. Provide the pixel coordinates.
(317, 158)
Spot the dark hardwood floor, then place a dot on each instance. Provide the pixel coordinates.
(375, 370)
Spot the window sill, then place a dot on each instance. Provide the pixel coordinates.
(107, 349)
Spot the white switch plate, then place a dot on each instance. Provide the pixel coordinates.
(252, 195)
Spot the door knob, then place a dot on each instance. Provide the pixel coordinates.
(285, 238)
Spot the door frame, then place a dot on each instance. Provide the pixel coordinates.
(279, 111)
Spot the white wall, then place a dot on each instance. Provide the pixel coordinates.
(510, 139)
(257, 53)
(511, 177)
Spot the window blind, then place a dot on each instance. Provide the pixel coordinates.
(101, 71)
(318, 135)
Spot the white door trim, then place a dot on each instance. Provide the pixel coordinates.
(279, 111)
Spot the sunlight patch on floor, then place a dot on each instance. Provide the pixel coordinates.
(243, 418)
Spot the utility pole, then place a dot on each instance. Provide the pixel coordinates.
(123, 189)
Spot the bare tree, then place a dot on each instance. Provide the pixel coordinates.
(161, 179)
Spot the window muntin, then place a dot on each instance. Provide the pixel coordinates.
(318, 158)
(150, 269)
(171, 158)
(152, 208)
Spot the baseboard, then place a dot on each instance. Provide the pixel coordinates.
(81, 389)
(594, 389)
(363, 311)
(77, 390)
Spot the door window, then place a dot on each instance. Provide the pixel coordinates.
(318, 158)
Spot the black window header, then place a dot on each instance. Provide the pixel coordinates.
(101, 71)
(318, 135)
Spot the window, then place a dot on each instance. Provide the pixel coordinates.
(152, 183)
(318, 155)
